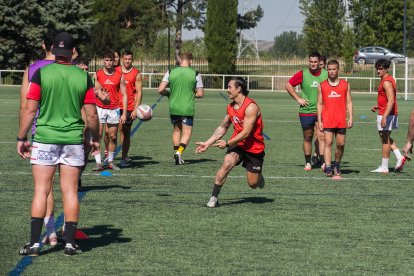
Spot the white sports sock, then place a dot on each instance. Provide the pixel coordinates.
(111, 156)
(98, 158)
(49, 224)
(397, 153)
(385, 162)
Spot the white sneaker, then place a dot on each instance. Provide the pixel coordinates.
(308, 167)
(400, 164)
(381, 169)
(213, 202)
(178, 158)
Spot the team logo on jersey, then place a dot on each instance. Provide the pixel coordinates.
(108, 81)
(334, 95)
(314, 84)
(237, 120)
(126, 81)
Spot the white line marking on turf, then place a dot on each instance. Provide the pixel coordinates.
(235, 176)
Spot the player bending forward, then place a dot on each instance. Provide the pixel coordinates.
(245, 145)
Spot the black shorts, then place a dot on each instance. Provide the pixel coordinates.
(178, 120)
(336, 130)
(128, 117)
(308, 120)
(251, 161)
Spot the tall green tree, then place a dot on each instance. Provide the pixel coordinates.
(348, 51)
(191, 14)
(126, 24)
(324, 25)
(24, 22)
(379, 23)
(221, 36)
(288, 44)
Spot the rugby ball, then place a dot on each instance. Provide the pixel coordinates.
(144, 112)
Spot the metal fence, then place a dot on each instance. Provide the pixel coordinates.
(362, 79)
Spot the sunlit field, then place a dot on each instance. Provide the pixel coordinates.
(151, 219)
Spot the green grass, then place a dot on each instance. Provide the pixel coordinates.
(150, 219)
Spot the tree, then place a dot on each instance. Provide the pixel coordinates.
(249, 19)
(188, 14)
(324, 25)
(24, 23)
(348, 49)
(126, 24)
(288, 44)
(221, 36)
(379, 23)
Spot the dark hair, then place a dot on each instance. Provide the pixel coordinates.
(109, 54)
(48, 39)
(81, 60)
(315, 54)
(242, 83)
(119, 57)
(333, 61)
(382, 63)
(127, 53)
(323, 58)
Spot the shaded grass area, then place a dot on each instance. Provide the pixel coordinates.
(150, 219)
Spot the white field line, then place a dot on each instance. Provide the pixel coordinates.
(234, 176)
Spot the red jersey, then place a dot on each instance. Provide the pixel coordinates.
(334, 104)
(130, 88)
(254, 143)
(110, 83)
(382, 97)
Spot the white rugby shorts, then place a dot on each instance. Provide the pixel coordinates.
(53, 154)
(108, 116)
(392, 123)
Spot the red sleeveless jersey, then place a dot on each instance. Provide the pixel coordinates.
(334, 104)
(382, 97)
(110, 83)
(130, 88)
(254, 143)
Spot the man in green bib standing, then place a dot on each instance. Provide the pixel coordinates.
(308, 79)
(185, 85)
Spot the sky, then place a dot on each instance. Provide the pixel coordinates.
(279, 16)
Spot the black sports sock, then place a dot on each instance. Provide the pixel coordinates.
(308, 158)
(176, 148)
(216, 190)
(183, 145)
(70, 230)
(36, 225)
(322, 159)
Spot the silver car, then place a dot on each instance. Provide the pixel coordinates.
(371, 54)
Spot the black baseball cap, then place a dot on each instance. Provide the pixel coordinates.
(63, 45)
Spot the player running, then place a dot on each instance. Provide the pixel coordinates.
(246, 143)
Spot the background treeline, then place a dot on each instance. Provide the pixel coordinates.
(149, 27)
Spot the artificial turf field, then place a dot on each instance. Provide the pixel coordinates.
(150, 219)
